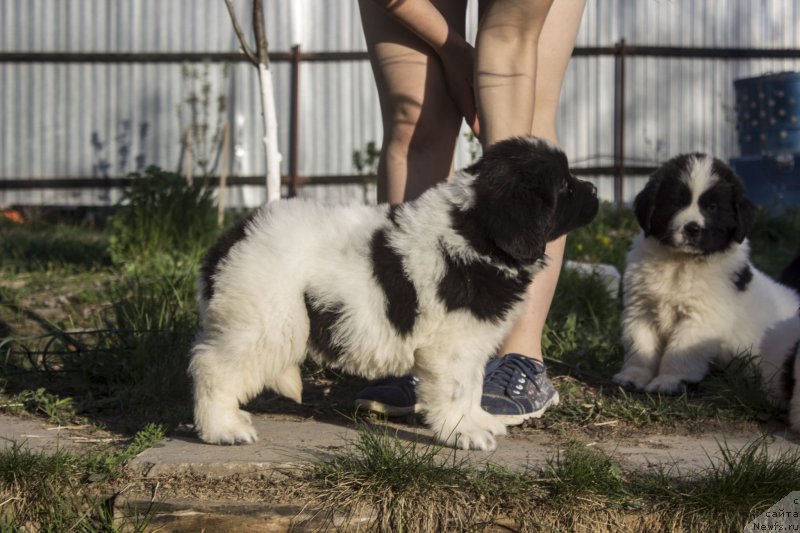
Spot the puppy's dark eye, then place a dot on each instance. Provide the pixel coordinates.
(711, 208)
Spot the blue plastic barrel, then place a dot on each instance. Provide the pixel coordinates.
(773, 182)
(768, 113)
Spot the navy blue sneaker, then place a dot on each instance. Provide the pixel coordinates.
(516, 388)
(391, 396)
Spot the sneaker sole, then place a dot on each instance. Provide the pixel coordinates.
(388, 410)
(516, 420)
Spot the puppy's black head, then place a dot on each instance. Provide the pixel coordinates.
(525, 197)
(696, 204)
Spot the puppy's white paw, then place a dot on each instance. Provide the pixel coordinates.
(233, 428)
(475, 439)
(633, 376)
(667, 384)
(488, 422)
(467, 436)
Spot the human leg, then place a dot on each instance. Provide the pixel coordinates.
(420, 120)
(556, 42)
(421, 124)
(508, 76)
(549, 29)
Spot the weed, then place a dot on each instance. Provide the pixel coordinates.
(580, 471)
(366, 161)
(54, 491)
(581, 487)
(161, 215)
(55, 409)
(413, 486)
(206, 114)
(37, 488)
(732, 491)
(109, 463)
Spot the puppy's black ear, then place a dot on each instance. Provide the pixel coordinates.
(744, 209)
(645, 202)
(516, 188)
(745, 217)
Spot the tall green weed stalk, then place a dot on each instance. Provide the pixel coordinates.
(161, 215)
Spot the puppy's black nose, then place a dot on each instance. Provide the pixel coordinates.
(692, 230)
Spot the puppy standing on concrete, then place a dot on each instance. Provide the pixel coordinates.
(691, 295)
(430, 287)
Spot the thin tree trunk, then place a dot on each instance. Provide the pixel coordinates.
(270, 133)
(260, 58)
(223, 173)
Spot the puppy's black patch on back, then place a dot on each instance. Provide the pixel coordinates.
(743, 277)
(787, 376)
(401, 296)
(322, 321)
(482, 289)
(219, 251)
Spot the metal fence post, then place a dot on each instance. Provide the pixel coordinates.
(294, 123)
(619, 123)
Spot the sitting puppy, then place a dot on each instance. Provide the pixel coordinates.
(780, 367)
(429, 287)
(691, 295)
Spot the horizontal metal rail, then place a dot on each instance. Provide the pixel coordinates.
(213, 181)
(620, 51)
(239, 57)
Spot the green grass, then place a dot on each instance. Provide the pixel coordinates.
(160, 215)
(60, 491)
(606, 240)
(408, 487)
(43, 247)
(125, 363)
(53, 408)
(417, 487)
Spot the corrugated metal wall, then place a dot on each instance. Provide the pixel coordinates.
(108, 119)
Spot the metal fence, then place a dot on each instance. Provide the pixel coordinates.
(90, 90)
(620, 167)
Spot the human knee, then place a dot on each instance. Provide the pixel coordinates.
(513, 23)
(413, 131)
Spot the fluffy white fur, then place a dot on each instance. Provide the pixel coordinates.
(780, 367)
(296, 245)
(379, 292)
(681, 312)
(691, 295)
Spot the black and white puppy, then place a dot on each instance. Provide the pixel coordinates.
(429, 287)
(691, 295)
(780, 367)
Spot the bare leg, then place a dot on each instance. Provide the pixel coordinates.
(525, 45)
(506, 66)
(420, 120)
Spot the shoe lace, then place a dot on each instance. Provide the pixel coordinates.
(511, 371)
